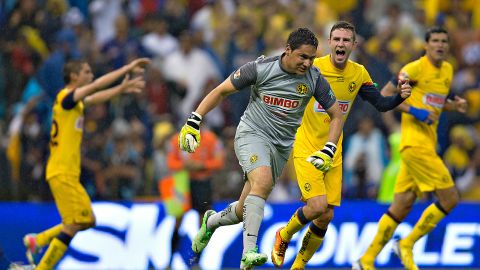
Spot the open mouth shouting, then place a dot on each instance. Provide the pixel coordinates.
(340, 54)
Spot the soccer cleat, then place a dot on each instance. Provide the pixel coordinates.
(405, 255)
(252, 258)
(33, 251)
(204, 234)
(359, 265)
(279, 248)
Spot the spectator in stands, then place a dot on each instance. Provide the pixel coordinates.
(122, 47)
(207, 160)
(122, 171)
(191, 69)
(365, 155)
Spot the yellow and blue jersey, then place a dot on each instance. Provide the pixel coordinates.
(346, 84)
(430, 87)
(65, 137)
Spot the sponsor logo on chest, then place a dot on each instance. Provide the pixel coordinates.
(280, 102)
(344, 106)
(434, 100)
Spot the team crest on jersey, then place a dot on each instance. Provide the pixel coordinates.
(447, 83)
(307, 187)
(253, 158)
(434, 100)
(352, 86)
(302, 89)
(344, 106)
(236, 75)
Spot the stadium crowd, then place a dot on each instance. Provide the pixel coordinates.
(194, 45)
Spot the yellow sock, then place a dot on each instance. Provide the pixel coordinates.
(310, 244)
(55, 252)
(44, 238)
(386, 227)
(293, 226)
(429, 220)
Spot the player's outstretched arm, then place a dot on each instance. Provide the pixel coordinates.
(128, 85)
(420, 114)
(189, 136)
(135, 67)
(456, 104)
(215, 97)
(386, 102)
(391, 90)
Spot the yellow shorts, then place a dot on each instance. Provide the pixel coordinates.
(422, 170)
(71, 199)
(313, 182)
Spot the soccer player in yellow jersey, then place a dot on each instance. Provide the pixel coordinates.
(421, 169)
(322, 191)
(63, 167)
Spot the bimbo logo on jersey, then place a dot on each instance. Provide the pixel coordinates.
(344, 106)
(434, 100)
(280, 102)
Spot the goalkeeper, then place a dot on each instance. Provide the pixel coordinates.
(281, 87)
(321, 190)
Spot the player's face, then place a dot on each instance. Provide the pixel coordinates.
(300, 60)
(341, 44)
(437, 47)
(85, 76)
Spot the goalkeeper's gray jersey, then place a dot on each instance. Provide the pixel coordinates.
(278, 98)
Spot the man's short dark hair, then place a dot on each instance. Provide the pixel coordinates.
(343, 25)
(72, 66)
(302, 36)
(434, 30)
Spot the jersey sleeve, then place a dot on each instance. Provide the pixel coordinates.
(323, 93)
(68, 102)
(371, 94)
(410, 72)
(245, 76)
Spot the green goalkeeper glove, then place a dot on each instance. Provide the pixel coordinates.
(189, 137)
(323, 159)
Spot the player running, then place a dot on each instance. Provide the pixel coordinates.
(421, 169)
(322, 190)
(63, 167)
(281, 87)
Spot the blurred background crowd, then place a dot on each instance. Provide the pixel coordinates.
(194, 45)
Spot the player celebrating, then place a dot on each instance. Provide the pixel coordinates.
(421, 169)
(63, 167)
(322, 190)
(281, 87)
